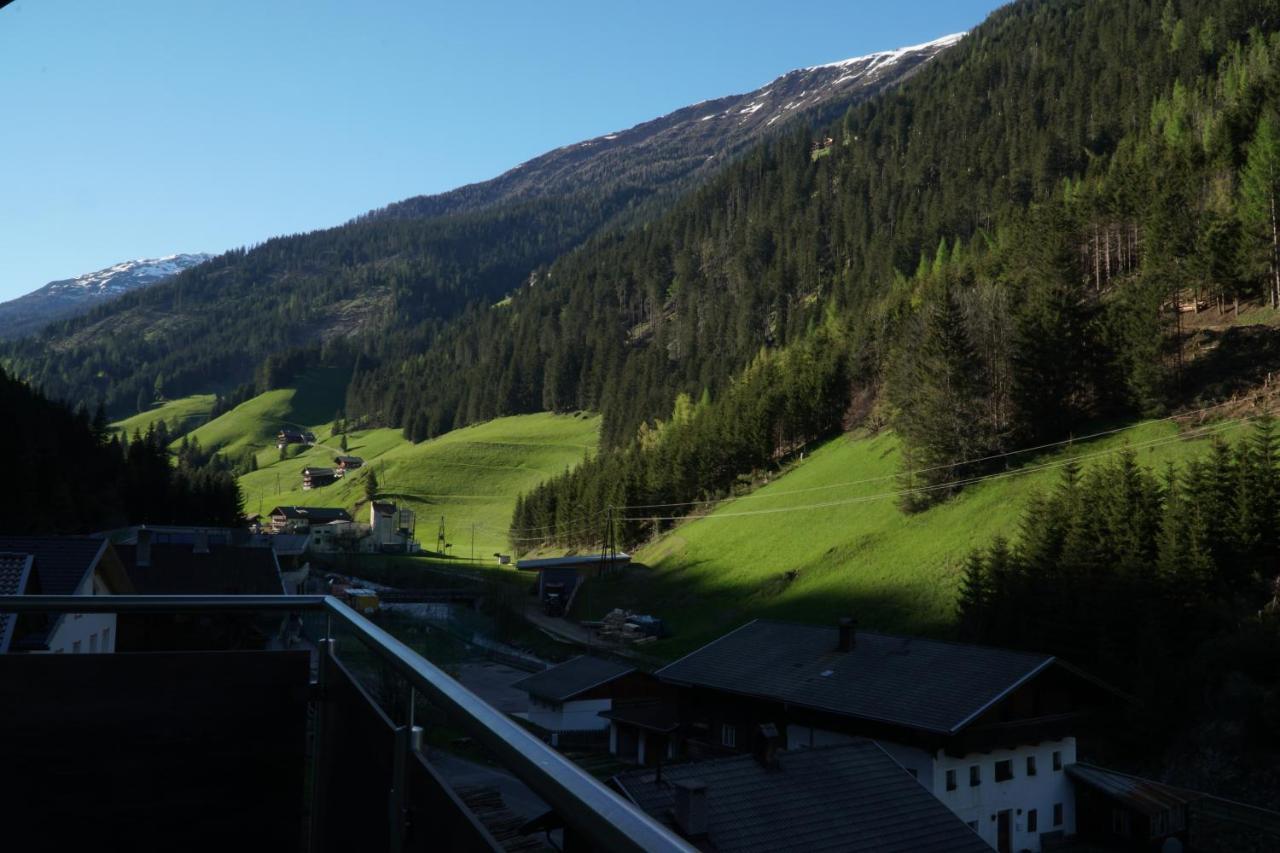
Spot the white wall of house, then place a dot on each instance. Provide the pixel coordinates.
(85, 632)
(572, 716)
(981, 804)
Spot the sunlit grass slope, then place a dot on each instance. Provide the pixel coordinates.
(863, 556)
(253, 424)
(182, 413)
(471, 476)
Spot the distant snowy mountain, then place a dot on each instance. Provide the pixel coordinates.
(70, 297)
(673, 149)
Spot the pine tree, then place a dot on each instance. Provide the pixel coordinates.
(370, 485)
(1259, 186)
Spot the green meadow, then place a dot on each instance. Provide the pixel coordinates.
(179, 415)
(780, 553)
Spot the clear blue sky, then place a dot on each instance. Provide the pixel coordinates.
(148, 127)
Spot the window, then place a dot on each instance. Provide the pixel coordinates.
(1004, 770)
(106, 639)
(75, 647)
(728, 735)
(975, 775)
(1031, 765)
(1057, 760)
(951, 780)
(93, 643)
(1032, 820)
(1057, 814)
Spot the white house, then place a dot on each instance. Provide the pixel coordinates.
(60, 565)
(987, 731)
(572, 695)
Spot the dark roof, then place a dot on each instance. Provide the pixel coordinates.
(225, 570)
(309, 470)
(348, 459)
(574, 561)
(652, 716)
(15, 571)
(562, 682)
(60, 562)
(318, 514)
(930, 685)
(850, 797)
(1141, 795)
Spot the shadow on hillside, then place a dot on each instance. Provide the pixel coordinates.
(1233, 361)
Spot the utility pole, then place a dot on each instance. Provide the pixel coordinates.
(440, 543)
(473, 541)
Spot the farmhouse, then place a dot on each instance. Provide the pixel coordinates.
(59, 565)
(989, 732)
(571, 695)
(288, 436)
(300, 519)
(848, 797)
(343, 464)
(314, 478)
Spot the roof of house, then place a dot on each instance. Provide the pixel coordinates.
(311, 471)
(318, 514)
(1142, 795)
(225, 570)
(574, 561)
(348, 459)
(60, 562)
(15, 571)
(562, 682)
(850, 797)
(931, 685)
(652, 715)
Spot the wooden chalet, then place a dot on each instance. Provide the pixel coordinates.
(314, 478)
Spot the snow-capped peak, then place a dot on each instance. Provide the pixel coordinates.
(888, 57)
(127, 275)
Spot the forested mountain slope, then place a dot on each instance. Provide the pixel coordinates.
(383, 284)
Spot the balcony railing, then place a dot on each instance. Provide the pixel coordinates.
(593, 817)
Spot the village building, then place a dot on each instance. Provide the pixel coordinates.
(60, 565)
(989, 732)
(570, 697)
(289, 436)
(314, 478)
(845, 797)
(343, 464)
(560, 577)
(300, 519)
(389, 531)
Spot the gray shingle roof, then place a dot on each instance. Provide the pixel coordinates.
(317, 514)
(562, 682)
(930, 685)
(15, 569)
(61, 562)
(225, 570)
(851, 797)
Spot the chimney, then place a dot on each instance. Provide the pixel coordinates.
(767, 746)
(144, 548)
(691, 807)
(202, 542)
(848, 634)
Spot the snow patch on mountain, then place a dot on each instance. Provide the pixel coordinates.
(125, 276)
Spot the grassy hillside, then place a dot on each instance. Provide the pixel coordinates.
(183, 413)
(862, 556)
(470, 476)
(254, 423)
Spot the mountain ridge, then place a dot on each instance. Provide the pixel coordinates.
(70, 297)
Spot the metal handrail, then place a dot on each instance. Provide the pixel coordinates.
(586, 806)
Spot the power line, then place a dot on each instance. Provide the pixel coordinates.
(917, 471)
(924, 489)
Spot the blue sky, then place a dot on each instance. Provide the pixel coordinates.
(148, 127)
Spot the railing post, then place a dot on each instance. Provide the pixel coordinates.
(319, 754)
(408, 741)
